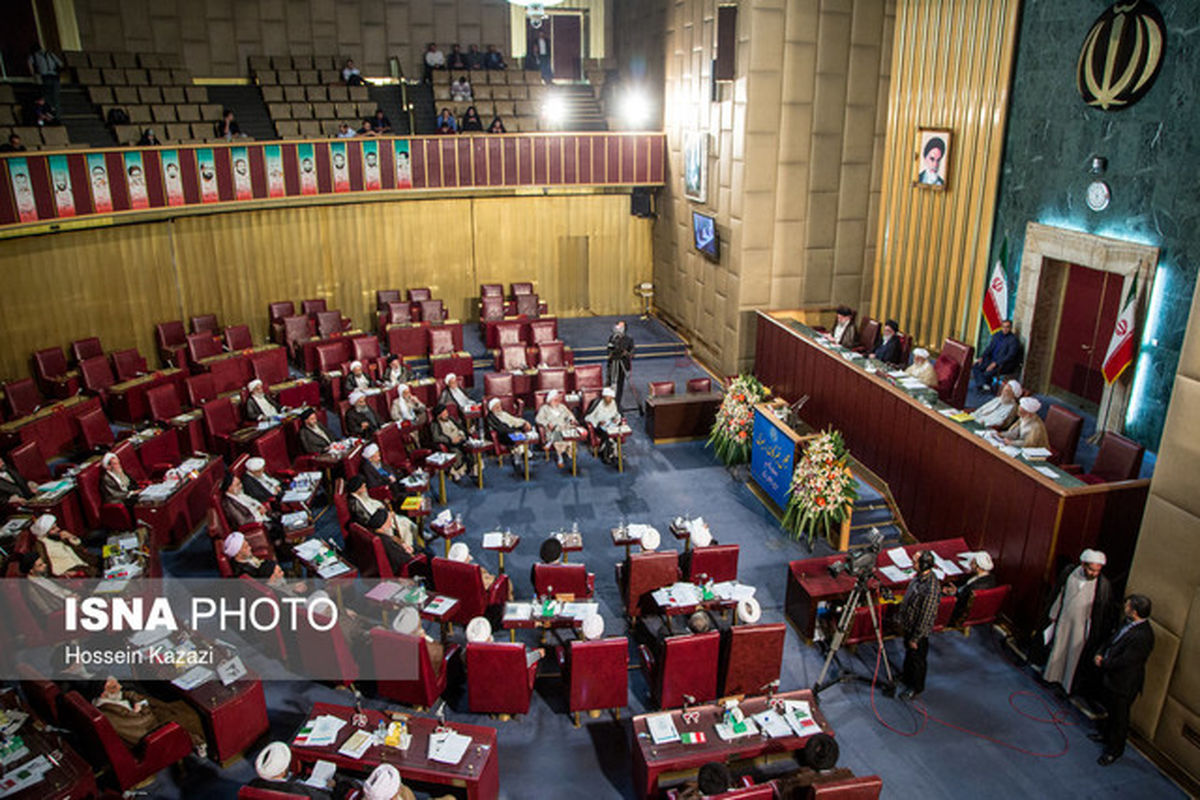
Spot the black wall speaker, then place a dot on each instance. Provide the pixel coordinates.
(641, 202)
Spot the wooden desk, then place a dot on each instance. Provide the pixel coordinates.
(52, 426)
(681, 416)
(659, 767)
(478, 772)
(127, 400)
(172, 520)
(72, 777)
(945, 479)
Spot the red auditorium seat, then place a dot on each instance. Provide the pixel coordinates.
(491, 309)
(519, 289)
(499, 679)
(237, 337)
(324, 654)
(200, 389)
(868, 336)
(30, 463)
(83, 349)
(50, 367)
(171, 338)
(512, 358)
(271, 447)
(953, 369)
(527, 306)
(441, 341)
(96, 376)
(385, 296)
(559, 579)
(128, 364)
(686, 665)
(329, 323)
(296, 330)
(465, 582)
(753, 658)
(21, 397)
(43, 695)
(589, 376)
(94, 429)
(276, 313)
(98, 514)
(643, 573)
(552, 354)
(662, 388)
(419, 295)
(718, 562)
(542, 331)
(205, 323)
(1063, 428)
(389, 648)
(699, 385)
(100, 744)
(312, 307)
(491, 290)
(432, 311)
(985, 605)
(220, 421)
(201, 346)
(1119, 459)
(598, 675)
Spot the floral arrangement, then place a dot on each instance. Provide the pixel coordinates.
(823, 488)
(730, 435)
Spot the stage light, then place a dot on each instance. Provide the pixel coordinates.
(554, 110)
(635, 109)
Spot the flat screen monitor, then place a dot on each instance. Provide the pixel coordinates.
(704, 235)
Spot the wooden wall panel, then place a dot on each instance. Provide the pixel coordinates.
(116, 283)
(951, 68)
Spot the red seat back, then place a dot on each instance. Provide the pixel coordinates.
(205, 323)
(398, 312)
(491, 309)
(699, 385)
(296, 329)
(645, 573)
(497, 384)
(543, 330)
(324, 653)
(43, 695)
(30, 463)
(508, 333)
(403, 654)
(868, 334)
(163, 401)
(313, 306)
(519, 289)
(512, 357)
(365, 551)
(391, 446)
(237, 337)
(662, 388)
(329, 323)
(385, 296)
(753, 658)
(1062, 429)
(527, 305)
(551, 354)
(280, 309)
(961, 355)
(555, 378)
(170, 335)
(1119, 459)
(329, 356)
(432, 311)
(441, 341)
(50, 363)
(491, 290)
(21, 397)
(562, 579)
(419, 295)
(271, 447)
(94, 429)
(689, 666)
(96, 374)
(340, 504)
(130, 461)
(88, 481)
(202, 345)
(986, 605)
(855, 788)
(599, 676)
(83, 349)
(499, 681)
(589, 376)
(270, 366)
(464, 582)
(366, 348)
(128, 364)
(220, 418)
(718, 561)
(200, 389)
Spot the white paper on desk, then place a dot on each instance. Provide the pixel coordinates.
(309, 549)
(24, 776)
(947, 566)
(493, 539)
(440, 605)
(14, 526)
(192, 465)
(196, 676)
(1048, 472)
(948, 412)
(894, 574)
(897, 373)
(322, 731)
(358, 744)
(444, 518)
(448, 747)
(775, 725)
(518, 612)
(726, 731)
(900, 558)
(637, 530)
(580, 610)
(296, 519)
(384, 591)
(332, 569)
(295, 496)
(1009, 450)
(111, 586)
(322, 775)
(662, 728)
(1035, 453)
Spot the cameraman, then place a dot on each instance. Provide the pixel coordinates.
(918, 611)
(620, 358)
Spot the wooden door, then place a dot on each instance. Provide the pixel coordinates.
(1089, 310)
(566, 46)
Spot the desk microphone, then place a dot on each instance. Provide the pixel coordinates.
(770, 688)
(688, 700)
(440, 711)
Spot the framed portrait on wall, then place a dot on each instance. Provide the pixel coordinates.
(695, 166)
(933, 158)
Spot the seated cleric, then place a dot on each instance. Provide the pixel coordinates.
(979, 577)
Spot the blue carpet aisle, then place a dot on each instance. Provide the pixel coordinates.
(542, 755)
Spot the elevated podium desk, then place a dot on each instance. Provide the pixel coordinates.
(681, 416)
(947, 481)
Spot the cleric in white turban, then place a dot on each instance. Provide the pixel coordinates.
(1078, 621)
(1028, 430)
(921, 369)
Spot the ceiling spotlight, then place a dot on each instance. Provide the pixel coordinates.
(634, 109)
(554, 110)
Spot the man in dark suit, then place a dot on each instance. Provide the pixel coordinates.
(620, 359)
(1122, 665)
(888, 350)
(13, 488)
(314, 437)
(361, 419)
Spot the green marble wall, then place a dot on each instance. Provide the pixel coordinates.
(1153, 152)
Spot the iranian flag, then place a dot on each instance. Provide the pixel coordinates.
(995, 301)
(1121, 345)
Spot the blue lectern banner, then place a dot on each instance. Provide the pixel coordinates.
(772, 459)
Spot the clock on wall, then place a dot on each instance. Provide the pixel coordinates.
(1098, 195)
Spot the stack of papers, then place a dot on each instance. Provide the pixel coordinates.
(320, 732)
(25, 776)
(440, 458)
(310, 549)
(800, 718)
(322, 775)
(192, 465)
(895, 574)
(732, 590)
(14, 526)
(296, 495)
(679, 594)
(1049, 472)
(900, 557)
(384, 591)
(518, 612)
(662, 728)
(332, 569)
(357, 744)
(196, 676)
(157, 491)
(580, 610)
(730, 731)
(493, 539)
(443, 519)
(637, 529)
(296, 519)
(440, 605)
(773, 724)
(448, 747)
(54, 487)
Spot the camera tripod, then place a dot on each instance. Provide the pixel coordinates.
(861, 595)
(620, 374)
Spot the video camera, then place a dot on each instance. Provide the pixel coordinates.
(860, 563)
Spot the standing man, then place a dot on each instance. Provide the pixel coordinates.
(1078, 619)
(44, 65)
(918, 611)
(1001, 357)
(1122, 665)
(620, 358)
(541, 46)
